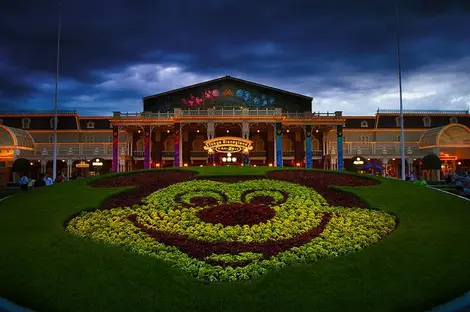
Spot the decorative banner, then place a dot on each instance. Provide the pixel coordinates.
(147, 148)
(176, 157)
(115, 148)
(279, 161)
(308, 146)
(339, 143)
(228, 145)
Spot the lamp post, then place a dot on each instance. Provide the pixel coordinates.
(56, 102)
(402, 129)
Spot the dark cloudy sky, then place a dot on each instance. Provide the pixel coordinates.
(341, 52)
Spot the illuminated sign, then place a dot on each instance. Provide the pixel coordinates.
(228, 145)
(358, 161)
(443, 156)
(97, 163)
(82, 164)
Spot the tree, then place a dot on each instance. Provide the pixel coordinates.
(21, 165)
(431, 162)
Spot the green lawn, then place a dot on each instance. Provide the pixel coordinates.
(424, 262)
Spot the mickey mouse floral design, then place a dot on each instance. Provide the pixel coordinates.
(233, 231)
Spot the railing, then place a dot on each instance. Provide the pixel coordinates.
(70, 150)
(312, 115)
(317, 153)
(138, 154)
(276, 112)
(37, 112)
(424, 111)
(288, 153)
(257, 154)
(198, 154)
(168, 154)
(381, 149)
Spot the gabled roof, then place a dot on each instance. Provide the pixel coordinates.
(228, 78)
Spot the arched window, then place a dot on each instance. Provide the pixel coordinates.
(1, 121)
(315, 144)
(287, 144)
(398, 138)
(90, 139)
(365, 138)
(453, 119)
(51, 138)
(110, 139)
(169, 144)
(139, 145)
(364, 124)
(397, 121)
(90, 125)
(258, 144)
(51, 122)
(198, 144)
(26, 123)
(427, 121)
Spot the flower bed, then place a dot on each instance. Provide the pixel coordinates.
(233, 231)
(145, 183)
(321, 182)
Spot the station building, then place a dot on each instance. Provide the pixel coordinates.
(230, 121)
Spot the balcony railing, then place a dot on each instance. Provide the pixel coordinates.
(138, 154)
(288, 153)
(198, 154)
(267, 112)
(74, 150)
(168, 154)
(257, 154)
(381, 149)
(424, 111)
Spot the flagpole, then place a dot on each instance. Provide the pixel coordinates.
(56, 102)
(402, 125)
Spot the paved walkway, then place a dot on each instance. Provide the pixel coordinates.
(8, 306)
(461, 304)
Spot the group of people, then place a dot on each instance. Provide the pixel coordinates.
(411, 178)
(44, 180)
(462, 182)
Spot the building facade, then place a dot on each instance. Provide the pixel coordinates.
(229, 121)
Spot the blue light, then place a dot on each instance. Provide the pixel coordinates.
(240, 93)
(256, 100)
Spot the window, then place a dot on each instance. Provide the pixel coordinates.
(26, 123)
(110, 139)
(427, 121)
(315, 144)
(398, 138)
(51, 138)
(453, 119)
(89, 139)
(397, 121)
(1, 121)
(364, 124)
(51, 122)
(364, 138)
(90, 125)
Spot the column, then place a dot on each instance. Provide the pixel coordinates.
(115, 148)
(210, 130)
(339, 146)
(69, 167)
(177, 143)
(278, 145)
(43, 165)
(308, 146)
(147, 147)
(245, 130)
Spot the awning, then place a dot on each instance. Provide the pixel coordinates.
(13, 138)
(453, 135)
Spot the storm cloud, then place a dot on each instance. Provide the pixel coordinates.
(342, 53)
